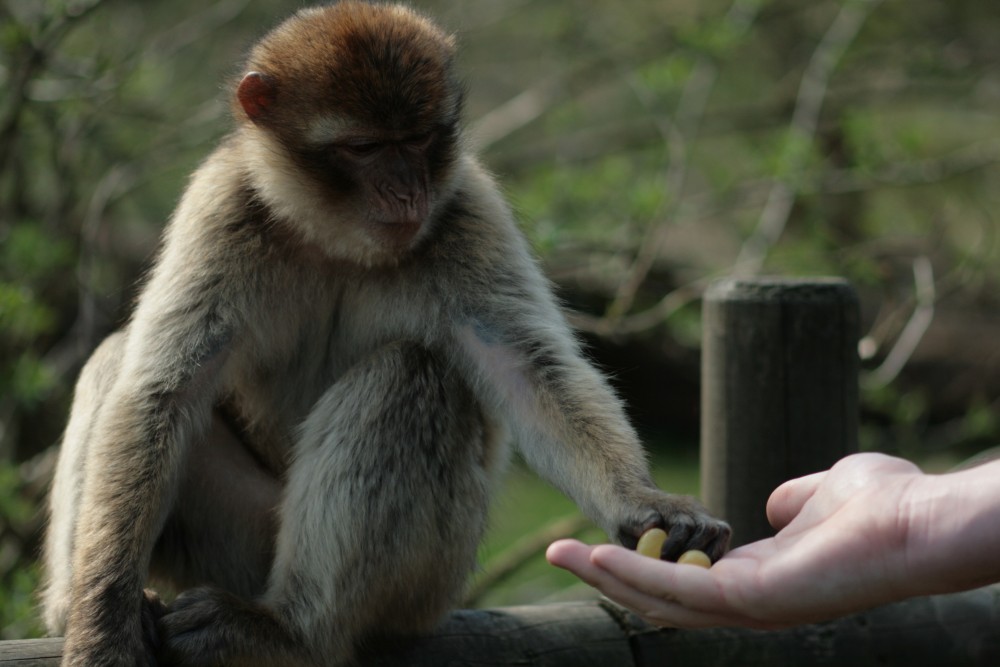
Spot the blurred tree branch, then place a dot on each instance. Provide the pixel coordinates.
(805, 121)
(676, 134)
(29, 56)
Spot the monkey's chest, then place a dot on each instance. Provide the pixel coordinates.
(270, 395)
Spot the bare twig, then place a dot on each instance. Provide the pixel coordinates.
(32, 58)
(524, 550)
(704, 205)
(693, 100)
(915, 172)
(673, 301)
(677, 134)
(196, 27)
(516, 112)
(115, 180)
(805, 119)
(913, 332)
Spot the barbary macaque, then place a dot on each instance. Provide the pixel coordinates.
(303, 421)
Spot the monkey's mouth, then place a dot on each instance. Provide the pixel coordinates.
(398, 232)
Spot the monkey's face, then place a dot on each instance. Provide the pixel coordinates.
(391, 181)
(360, 121)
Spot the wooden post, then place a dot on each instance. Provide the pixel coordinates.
(779, 390)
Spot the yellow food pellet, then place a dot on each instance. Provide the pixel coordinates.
(651, 542)
(695, 557)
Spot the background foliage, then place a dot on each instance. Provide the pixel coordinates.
(649, 146)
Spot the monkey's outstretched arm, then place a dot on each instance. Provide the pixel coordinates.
(572, 429)
(568, 422)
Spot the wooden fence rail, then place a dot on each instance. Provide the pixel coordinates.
(954, 630)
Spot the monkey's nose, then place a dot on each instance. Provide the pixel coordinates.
(401, 195)
(413, 204)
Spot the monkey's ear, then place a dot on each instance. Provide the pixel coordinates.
(256, 93)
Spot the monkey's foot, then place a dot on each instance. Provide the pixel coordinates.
(122, 647)
(207, 626)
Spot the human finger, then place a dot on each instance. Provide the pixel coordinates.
(636, 582)
(657, 607)
(787, 500)
(576, 557)
(669, 582)
(661, 592)
(571, 555)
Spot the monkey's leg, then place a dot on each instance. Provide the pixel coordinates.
(96, 378)
(384, 508)
(222, 527)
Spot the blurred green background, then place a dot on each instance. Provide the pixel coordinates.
(648, 146)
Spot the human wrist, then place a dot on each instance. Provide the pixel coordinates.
(951, 524)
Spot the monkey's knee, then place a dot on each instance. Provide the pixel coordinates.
(101, 370)
(409, 402)
(398, 441)
(398, 386)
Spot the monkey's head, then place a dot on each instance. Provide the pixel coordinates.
(351, 116)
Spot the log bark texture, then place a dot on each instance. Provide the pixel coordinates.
(955, 630)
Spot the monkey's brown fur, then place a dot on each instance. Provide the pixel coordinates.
(303, 421)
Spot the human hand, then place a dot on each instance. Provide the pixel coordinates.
(841, 547)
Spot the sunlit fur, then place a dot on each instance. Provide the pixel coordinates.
(305, 417)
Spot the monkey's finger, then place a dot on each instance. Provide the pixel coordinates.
(704, 534)
(711, 536)
(788, 499)
(680, 532)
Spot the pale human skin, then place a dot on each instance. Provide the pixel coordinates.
(871, 530)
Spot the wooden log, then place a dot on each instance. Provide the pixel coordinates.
(31, 652)
(779, 390)
(961, 629)
(958, 629)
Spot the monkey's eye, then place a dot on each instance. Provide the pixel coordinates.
(361, 148)
(420, 141)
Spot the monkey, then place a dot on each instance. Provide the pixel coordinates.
(343, 335)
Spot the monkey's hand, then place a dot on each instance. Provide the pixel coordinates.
(89, 646)
(688, 525)
(207, 626)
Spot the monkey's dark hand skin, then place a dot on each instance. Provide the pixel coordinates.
(688, 525)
